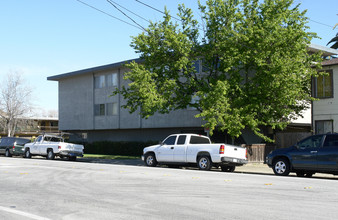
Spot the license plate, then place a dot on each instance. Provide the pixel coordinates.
(235, 160)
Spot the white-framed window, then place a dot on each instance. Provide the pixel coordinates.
(99, 110)
(323, 85)
(112, 109)
(99, 82)
(323, 126)
(112, 79)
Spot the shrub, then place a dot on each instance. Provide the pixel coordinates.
(117, 148)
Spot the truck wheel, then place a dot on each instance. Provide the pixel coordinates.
(50, 154)
(204, 163)
(227, 168)
(150, 160)
(7, 153)
(281, 167)
(27, 153)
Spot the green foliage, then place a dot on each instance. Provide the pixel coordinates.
(117, 148)
(256, 67)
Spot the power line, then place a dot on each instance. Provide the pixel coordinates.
(130, 11)
(103, 12)
(149, 6)
(321, 23)
(126, 15)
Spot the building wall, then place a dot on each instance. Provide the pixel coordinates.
(78, 96)
(76, 103)
(327, 109)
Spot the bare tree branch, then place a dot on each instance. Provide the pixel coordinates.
(14, 102)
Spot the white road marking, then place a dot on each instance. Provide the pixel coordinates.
(24, 214)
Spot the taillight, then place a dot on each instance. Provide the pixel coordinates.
(59, 147)
(13, 147)
(246, 153)
(221, 149)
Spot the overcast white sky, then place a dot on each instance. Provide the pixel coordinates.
(42, 38)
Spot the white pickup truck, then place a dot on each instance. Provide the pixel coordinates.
(51, 146)
(187, 149)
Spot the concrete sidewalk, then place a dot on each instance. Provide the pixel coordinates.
(258, 168)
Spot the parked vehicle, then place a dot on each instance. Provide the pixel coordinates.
(192, 149)
(51, 146)
(314, 154)
(12, 146)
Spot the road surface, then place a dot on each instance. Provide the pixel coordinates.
(44, 189)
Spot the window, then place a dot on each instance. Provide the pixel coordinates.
(170, 140)
(99, 110)
(324, 126)
(197, 66)
(112, 109)
(38, 139)
(331, 140)
(311, 142)
(199, 140)
(112, 79)
(181, 139)
(323, 85)
(99, 82)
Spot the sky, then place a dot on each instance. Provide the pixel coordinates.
(41, 38)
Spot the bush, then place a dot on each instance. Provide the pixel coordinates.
(117, 148)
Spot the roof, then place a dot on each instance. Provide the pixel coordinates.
(91, 70)
(330, 62)
(312, 48)
(325, 50)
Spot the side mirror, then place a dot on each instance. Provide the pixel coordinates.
(160, 143)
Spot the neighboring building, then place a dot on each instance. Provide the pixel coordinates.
(325, 110)
(32, 127)
(86, 108)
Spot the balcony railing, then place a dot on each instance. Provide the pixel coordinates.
(38, 129)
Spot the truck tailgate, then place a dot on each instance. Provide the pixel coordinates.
(234, 152)
(75, 147)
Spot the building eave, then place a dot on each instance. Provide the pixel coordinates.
(325, 50)
(91, 70)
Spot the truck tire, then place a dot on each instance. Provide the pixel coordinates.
(7, 153)
(150, 160)
(27, 153)
(281, 167)
(50, 154)
(225, 168)
(204, 162)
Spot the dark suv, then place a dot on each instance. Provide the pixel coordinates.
(12, 146)
(314, 154)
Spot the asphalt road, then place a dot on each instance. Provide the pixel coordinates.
(43, 189)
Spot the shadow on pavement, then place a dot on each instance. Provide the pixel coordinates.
(260, 169)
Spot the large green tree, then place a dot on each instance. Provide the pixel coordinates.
(256, 70)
